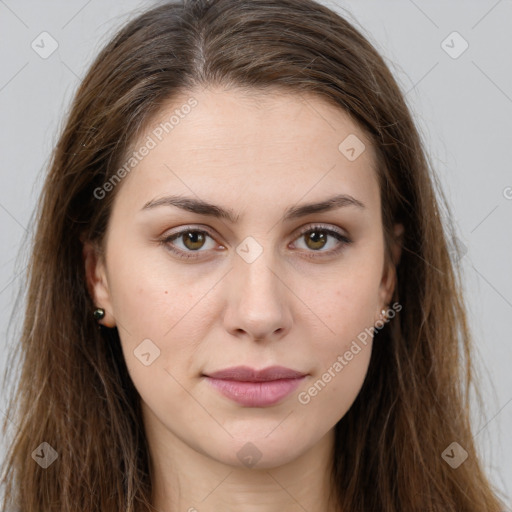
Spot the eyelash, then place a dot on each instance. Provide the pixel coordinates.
(344, 241)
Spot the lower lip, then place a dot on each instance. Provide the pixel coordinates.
(256, 394)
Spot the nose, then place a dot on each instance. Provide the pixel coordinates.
(258, 304)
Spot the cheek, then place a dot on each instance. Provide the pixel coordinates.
(343, 355)
(340, 380)
(342, 358)
(147, 305)
(154, 323)
(346, 305)
(148, 295)
(347, 297)
(330, 392)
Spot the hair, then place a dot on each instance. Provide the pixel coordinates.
(74, 391)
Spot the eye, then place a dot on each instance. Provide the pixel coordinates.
(317, 237)
(192, 240)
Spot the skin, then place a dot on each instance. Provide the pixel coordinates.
(257, 155)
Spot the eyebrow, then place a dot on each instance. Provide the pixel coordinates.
(204, 208)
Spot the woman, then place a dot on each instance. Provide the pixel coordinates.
(240, 294)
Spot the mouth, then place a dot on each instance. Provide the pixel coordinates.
(255, 388)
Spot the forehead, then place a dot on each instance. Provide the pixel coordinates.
(275, 142)
(226, 117)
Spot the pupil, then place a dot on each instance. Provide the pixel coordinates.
(191, 236)
(316, 235)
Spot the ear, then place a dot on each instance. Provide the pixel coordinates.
(97, 283)
(389, 278)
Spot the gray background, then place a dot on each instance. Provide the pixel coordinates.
(463, 107)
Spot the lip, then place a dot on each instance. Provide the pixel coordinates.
(255, 388)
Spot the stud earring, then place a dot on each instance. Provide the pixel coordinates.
(384, 314)
(99, 313)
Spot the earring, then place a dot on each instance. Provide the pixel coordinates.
(99, 313)
(384, 314)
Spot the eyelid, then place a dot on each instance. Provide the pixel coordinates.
(319, 226)
(302, 230)
(187, 229)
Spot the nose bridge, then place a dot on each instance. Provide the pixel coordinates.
(258, 303)
(255, 267)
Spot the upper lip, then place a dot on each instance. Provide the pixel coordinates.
(248, 374)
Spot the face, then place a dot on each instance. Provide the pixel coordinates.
(269, 283)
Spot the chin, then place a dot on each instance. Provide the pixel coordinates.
(258, 451)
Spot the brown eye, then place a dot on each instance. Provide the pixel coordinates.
(193, 240)
(318, 239)
(191, 243)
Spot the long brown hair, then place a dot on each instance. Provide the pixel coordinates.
(74, 391)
